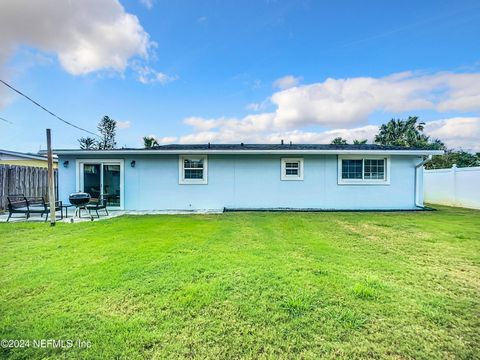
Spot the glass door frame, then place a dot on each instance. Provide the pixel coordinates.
(101, 162)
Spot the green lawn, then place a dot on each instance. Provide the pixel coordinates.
(246, 285)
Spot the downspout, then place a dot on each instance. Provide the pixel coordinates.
(420, 165)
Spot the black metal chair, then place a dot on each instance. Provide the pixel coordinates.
(97, 204)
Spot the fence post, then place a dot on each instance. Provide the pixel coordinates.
(454, 176)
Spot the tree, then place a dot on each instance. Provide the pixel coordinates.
(460, 158)
(360, 142)
(87, 143)
(406, 133)
(149, 142)
(107, 129)
(339, 141)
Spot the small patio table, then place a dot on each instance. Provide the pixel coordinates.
(66, 209)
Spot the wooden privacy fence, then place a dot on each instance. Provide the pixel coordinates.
(27, 180)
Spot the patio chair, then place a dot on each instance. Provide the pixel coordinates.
(39, 205)
(17, 204)
(20, 204)
(97, 204)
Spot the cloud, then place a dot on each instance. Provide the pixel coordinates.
(258, 129)
(287, 82)
(148, 75)
(123, 124)
(344, 105)
(202, 19)
(147, 3)
(166, 139)
(346, 102)
(259, 106)
(86, 36)
(458, 133)
(296, 136)
(254, 106)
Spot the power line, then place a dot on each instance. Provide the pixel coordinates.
(7, 121)
(45, 109)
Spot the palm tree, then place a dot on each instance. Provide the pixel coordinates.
(360, 142)
(149, 142)
(339, 141)
(408, 133)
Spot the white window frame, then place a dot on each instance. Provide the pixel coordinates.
(181, 170)
(284, 175)
(79, 176)
(384, 181)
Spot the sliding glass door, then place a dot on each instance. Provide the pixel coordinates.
(102, 180)
(111, 184)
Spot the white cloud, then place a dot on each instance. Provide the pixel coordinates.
(226, 135)
(147, 3)
(148, 75)
(248, 124)
(259, 106)
(123, 124)
(166, 139)
(254, 106)
(202, 19)
(346, 102)
(459, 133)
(86, 36)
(287, 82)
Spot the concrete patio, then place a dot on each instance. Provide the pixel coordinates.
(111, 214)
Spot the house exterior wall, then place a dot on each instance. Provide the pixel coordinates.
(31, 163)
(7, 159)
(251, 181)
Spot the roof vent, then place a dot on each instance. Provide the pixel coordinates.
(290, 143)
(209, 145)
(241, 144)
(281, 142)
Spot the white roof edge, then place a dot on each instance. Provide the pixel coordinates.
(247, 152)
(25, 155)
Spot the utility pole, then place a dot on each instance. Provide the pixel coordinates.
(51, 179)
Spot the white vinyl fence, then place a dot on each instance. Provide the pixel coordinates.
(454, 187)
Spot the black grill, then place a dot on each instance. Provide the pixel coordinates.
(79, 199)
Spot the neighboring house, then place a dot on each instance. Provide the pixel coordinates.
(24, 159)
(245, 176)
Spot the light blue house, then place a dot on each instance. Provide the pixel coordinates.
(243, 176)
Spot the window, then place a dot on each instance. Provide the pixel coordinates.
(292, 169)
(374, 169)
(367, 170)
(193, 169)
(352, 169)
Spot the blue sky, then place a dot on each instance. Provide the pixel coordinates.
(230, 71)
